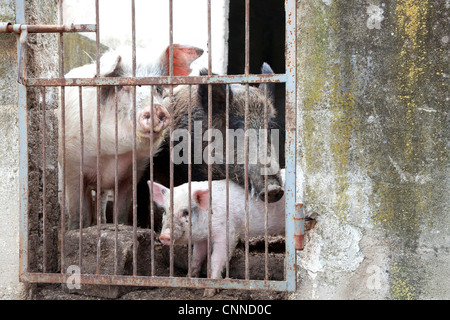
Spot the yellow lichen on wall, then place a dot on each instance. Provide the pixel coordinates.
(411, 29)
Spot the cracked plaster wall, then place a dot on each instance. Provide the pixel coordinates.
(374, 148)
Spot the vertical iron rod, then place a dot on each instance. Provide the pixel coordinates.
(189, 182)
(227, 180)
(99, 177)
(246, 182)
(116, 180)
(247, 37)
(171, 131)
(80, 240)
(152, 214)
(247, 96)
(44, 185)
(63, 137)
(209, 141)
(133, 41)
(266, 212)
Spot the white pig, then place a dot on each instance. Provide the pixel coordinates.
(199, 218)
(114, 64)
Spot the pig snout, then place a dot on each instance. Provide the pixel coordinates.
(161, 119)
(165, 237)
(274, 193)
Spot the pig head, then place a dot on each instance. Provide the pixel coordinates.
(263, 143)
(115, 103)
(176, 223)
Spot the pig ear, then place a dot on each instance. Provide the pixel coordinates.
(201, 197)
(183, 56)
(266, 69)
(158, 192)
(110, 64)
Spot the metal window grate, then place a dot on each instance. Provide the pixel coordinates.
(294, 216)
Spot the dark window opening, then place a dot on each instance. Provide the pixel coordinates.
(267, 44)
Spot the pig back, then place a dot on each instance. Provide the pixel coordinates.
(237, 216)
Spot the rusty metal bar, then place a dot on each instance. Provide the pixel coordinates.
(152, 213)
(209, 242)
(99, 176)
(97, 38)
(133, 48)
(246, 111)
(247, 37)
(116, 180)
(158, 281)
(209, 39)
(227, 178)
(63, 138)
(6, 27)
(266, 210)
(189, 274)
(166, 80)
(44, 186)
(80, 242)
(246, 185)
(171, 134)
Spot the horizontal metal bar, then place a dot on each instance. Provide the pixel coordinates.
(122, 81)
(147, 281)
(6, 27)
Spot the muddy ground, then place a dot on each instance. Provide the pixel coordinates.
(161, 267)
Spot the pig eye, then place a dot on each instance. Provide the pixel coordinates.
(185, 213)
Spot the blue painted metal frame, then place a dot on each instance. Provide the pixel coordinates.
(23, 153)
(292, 215)
(290, 145)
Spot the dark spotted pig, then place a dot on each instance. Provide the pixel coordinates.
(197, 97)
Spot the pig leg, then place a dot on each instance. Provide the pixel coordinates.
(73, 201)
(125, 201)
(219, 258)
(198, 256)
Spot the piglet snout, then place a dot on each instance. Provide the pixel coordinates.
(161, 119)
(165, 237)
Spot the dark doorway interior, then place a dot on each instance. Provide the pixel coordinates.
(267, 44)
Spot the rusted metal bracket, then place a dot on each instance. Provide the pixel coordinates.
(299, 222)
(22, 31)
(7, 27)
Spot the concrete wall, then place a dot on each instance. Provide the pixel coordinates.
(9, 163)
(374, 148)
(41, 63)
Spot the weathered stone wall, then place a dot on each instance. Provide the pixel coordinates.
(41, 62)
(9, 163)
(374, 138)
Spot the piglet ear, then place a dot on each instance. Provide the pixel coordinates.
(201, 197)
(183, 56)
(158, 192)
